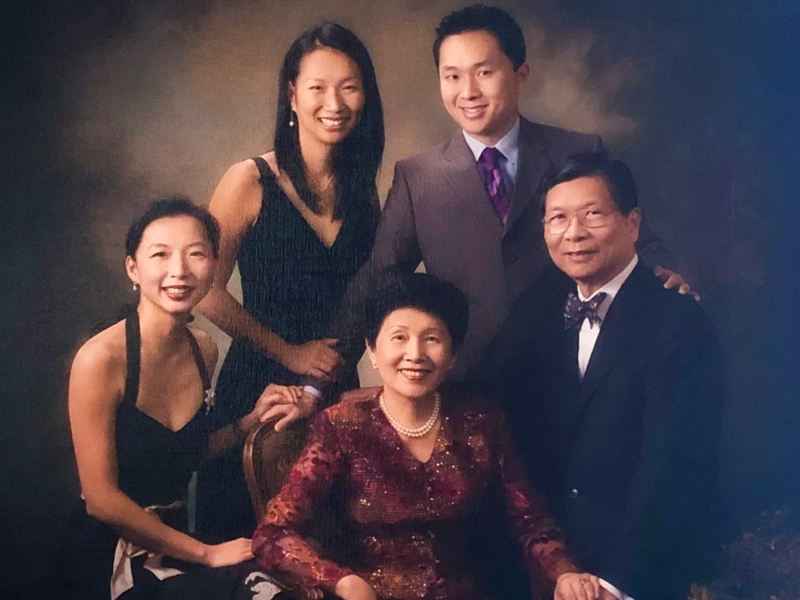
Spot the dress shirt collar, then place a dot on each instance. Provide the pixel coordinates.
(508, 145)
(611, 288)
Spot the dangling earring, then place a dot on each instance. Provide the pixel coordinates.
(291, 119)
(135, 287)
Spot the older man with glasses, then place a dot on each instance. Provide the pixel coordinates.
(614, 387)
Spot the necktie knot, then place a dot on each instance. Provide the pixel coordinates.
(576, 311)
(490, 158)
(489, 168)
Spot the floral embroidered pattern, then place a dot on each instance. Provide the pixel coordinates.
(410, 520)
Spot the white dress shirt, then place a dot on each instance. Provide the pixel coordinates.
(508, 146)
(589, 333)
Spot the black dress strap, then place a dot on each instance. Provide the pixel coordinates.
(133, 344)
(263, 169)
(198, 358)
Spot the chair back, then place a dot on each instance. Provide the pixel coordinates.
(269, 455)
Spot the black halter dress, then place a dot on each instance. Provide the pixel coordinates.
(155, 464)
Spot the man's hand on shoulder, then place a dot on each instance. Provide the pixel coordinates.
(674, 280)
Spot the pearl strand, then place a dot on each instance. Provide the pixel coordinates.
(408, 431)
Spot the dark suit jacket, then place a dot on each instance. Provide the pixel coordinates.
(627, 455)
(438, 212)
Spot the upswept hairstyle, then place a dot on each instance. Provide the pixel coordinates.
(615, 173)
(174, 206)
(479, 17)
(423, 292)
(357, 158)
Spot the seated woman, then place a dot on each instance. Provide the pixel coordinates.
(417, 466)
(139, 394)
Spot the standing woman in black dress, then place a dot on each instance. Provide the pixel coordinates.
(300, 221)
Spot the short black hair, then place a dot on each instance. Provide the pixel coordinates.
(173, 206)
(615, 173)
(424, 292)
(479, 17)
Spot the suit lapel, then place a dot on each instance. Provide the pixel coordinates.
(571, 400)
(531, 166)
(462, 176)
(618, 330)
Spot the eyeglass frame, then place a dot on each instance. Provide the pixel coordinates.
(546, 223)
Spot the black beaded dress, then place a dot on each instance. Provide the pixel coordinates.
(292, 284)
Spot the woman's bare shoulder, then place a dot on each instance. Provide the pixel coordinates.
(99, 366)
(238, 196)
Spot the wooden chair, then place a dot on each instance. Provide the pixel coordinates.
(268, 457)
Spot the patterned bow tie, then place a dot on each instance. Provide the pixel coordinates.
(576, 311)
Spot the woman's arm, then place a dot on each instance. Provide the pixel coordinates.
(276, 542)
(95, 390)
(236, 204)
(235, 433)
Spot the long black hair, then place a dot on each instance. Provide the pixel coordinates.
(357, 158)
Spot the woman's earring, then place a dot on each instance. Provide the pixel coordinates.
(135, 287)
(291, 119)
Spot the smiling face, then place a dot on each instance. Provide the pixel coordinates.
(590, 256)
(479, 86)
(327, 97)
(413, 353)
(174, 264)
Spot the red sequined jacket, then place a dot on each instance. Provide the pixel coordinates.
(410, 522)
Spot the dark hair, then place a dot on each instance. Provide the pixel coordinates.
(615, 173)
(174, 206)
(357, 158)
(423, 292)
(480, 17)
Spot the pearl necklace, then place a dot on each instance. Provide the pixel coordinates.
(408, 431)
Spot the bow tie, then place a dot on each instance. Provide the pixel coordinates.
(576, 311)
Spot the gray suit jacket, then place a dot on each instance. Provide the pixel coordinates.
(439, 212)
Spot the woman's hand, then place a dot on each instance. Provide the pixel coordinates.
(276, 395)
(229, 553)
(578, 586)
(303, 405)
(352, 587)
(273, 395)
(317, 358)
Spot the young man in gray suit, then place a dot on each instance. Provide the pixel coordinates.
(467, 207)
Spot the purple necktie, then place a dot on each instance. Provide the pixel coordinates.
(489, 168)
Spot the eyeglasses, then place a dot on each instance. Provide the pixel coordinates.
(557, 223)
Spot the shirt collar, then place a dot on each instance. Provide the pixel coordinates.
(508, 145)
(611, 288)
